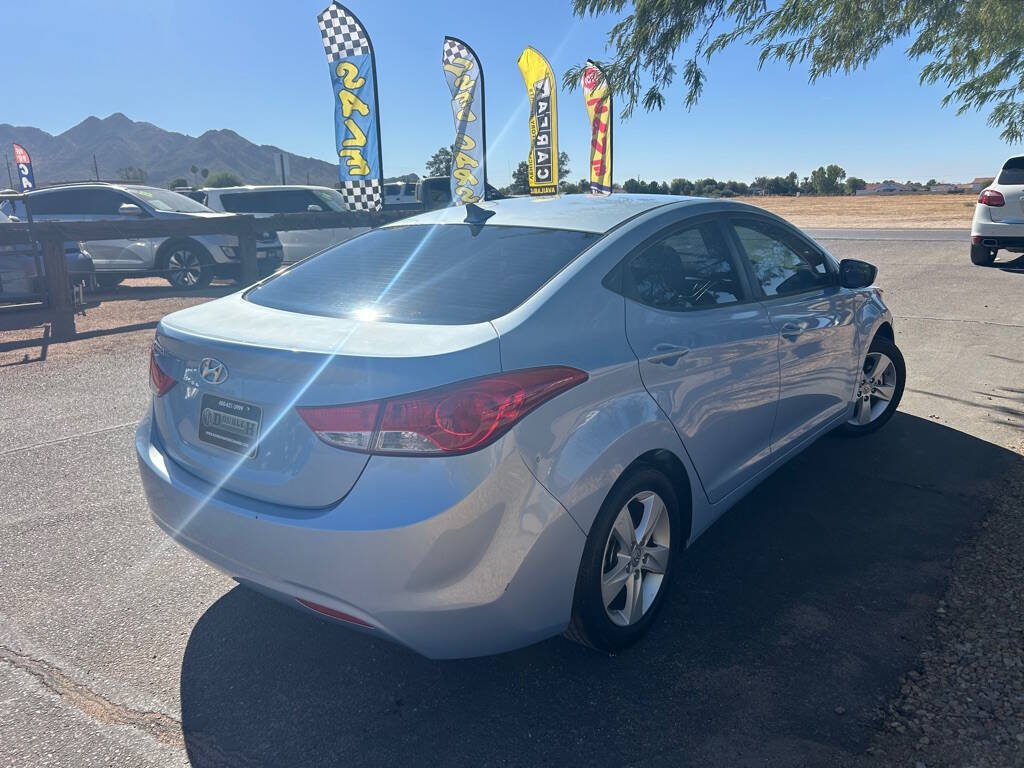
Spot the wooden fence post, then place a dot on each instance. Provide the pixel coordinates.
(58, 290)
(247, 253)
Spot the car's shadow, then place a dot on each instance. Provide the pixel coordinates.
(1014, 265)
(791, 619)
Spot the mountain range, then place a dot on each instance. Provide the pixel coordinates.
(121, 143)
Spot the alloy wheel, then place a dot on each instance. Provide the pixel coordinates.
(184, 268)
(636, 558)
(875, 390)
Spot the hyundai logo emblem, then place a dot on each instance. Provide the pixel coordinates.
(213, 371)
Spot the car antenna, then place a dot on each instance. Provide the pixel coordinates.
(476, 215)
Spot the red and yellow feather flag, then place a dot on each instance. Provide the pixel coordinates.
(598, 99)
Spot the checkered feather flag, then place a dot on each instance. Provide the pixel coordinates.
(465, 78)
(343, 35)
(356, 120)
(454, 49)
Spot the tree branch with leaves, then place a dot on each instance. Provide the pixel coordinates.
(975, 48)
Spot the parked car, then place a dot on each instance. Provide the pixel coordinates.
(186, 262)
(400, 193)
(267, 201)
(21, 269)
(999, 215)
(473, 429)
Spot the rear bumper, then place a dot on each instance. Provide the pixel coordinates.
(487, 561)
(996, 234)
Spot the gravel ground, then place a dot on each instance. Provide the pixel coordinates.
(963, 705)
(798, 619)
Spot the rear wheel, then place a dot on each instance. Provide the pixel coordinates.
(982, 255)
(627, 562)
(879, 389)
(188, 266)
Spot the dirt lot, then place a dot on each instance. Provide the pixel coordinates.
(881, 211)
(861, 608)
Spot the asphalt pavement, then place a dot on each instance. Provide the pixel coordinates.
(790, 623)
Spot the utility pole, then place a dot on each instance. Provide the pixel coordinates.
(10, 176)
(95, 167)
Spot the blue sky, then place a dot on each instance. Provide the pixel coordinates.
(258, 68)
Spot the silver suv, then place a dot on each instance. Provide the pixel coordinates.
(266, 201)
(186, 262)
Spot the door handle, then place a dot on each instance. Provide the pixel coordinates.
(667, 354)
(791, 331)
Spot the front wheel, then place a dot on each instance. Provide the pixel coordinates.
(982, 255)
(627, 562)
(188, 267)
(883, 376)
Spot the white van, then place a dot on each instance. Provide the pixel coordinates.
(294, 198)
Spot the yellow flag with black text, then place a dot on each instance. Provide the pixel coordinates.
(540, 87)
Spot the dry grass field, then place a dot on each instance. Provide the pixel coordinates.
(881, 211)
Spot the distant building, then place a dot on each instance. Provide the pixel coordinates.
(885, 188)
(981, 182)
(947, 189)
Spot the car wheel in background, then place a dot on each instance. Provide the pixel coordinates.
(883, 376)
(188, 266)
(627, 562)
(982, 255)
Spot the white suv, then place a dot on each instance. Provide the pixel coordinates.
(999, 215)
(186, 262)
(265, 201)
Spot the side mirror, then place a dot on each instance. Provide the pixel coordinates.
(129, 209)
(854, 273)
(314, 209)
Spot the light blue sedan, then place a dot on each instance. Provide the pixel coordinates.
(483, 426)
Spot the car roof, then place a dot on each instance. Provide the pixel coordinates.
(127, 186)
(583, 213)
(264, 188)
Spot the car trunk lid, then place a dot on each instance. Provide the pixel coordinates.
(273, 361)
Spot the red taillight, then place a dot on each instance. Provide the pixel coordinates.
(339, 615)
(457, 418)
(992, 197)
(159, 381)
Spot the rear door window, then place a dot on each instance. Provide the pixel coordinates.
(1013, 171)
(271, 201)
(446, 275)
(688, 269)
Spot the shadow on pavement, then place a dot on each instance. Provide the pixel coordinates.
(790, 622)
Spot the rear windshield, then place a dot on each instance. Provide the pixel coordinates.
(1013, 171)
(450, 274)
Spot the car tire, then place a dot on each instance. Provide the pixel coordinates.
(187, 265)
(982, 255)
(879, 390)
(610, 622)
(108, 282)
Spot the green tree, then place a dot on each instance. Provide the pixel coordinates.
(826, 181)
(972, 47)
(223, 179)
(440, 163)
(853, 184)
(931, 183)
(633, 185)
(181, 181)
(521, 179)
